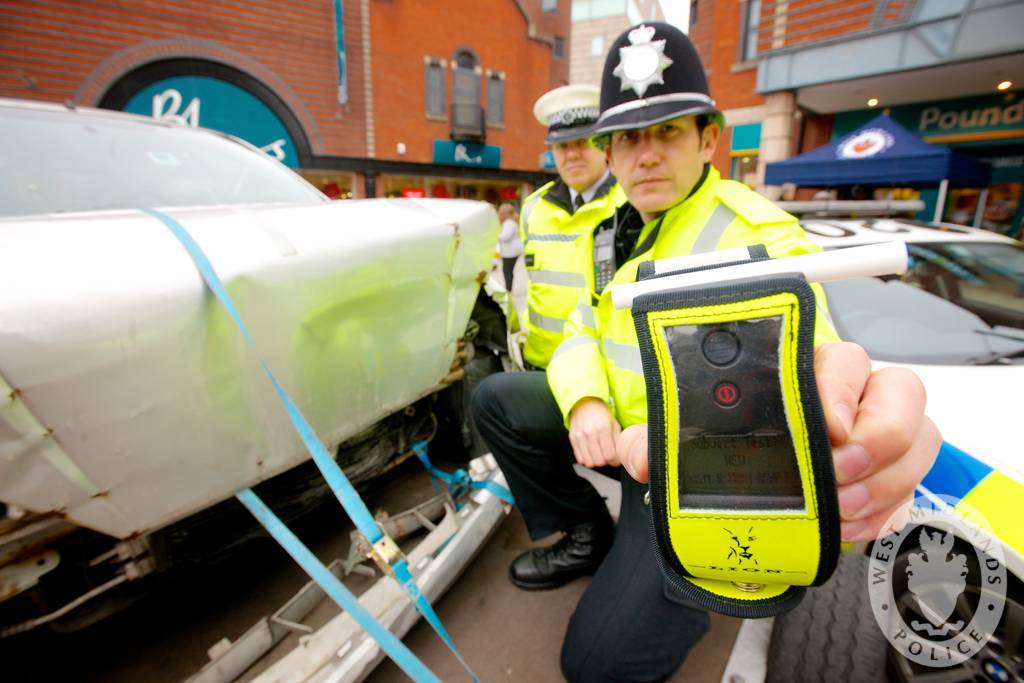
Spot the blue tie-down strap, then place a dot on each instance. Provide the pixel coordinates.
(460, 481)
(333, 587)
(332, 473)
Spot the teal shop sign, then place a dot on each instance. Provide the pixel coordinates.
(466, 154)
(213, 103)
(965, 122)
(746, 138)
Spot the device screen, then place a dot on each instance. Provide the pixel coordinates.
(735, 447)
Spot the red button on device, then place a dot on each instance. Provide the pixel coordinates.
(726, 394)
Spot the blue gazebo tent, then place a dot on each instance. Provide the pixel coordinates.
(881, 152)
(887, 154)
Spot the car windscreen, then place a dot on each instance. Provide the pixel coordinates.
(53, 161)
(899, 322)
(986, 278)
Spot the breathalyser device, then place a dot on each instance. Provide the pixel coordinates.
(742, 488)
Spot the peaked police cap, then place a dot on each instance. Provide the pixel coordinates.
(652, 74)
(569, 112)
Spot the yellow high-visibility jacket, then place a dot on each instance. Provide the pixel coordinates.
(600, 355)
(558, 247)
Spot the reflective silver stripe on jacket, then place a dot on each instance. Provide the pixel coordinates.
(554, 238)
(587, 314)
(713, 230)
(557, 277)
(624, 356)
(546, 322)
(572, 343)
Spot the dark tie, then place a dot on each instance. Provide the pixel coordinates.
(577, 203)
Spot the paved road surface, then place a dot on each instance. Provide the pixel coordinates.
(505, 633)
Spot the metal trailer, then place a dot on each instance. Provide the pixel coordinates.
(340, 651)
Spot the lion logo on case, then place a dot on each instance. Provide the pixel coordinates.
(738, 551)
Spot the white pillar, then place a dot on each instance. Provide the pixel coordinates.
(980, 211)
(778, 131)
(940, 204)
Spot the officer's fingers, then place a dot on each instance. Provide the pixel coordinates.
(578, 428)
(886, 488)
(889, 422)
(590, 438)
(877, 525)
(612, 457)
(631, 446)
(841, 370)
(604, 445)
(594, 424)
(592, 442)
(579, 447)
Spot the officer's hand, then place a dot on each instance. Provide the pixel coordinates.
(882, 443)
(592, 433)
(631, 447)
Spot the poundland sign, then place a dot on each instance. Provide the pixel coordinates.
(967, 121)
(936, 118)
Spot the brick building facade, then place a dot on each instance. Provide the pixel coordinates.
(792, 76)
(341, 87)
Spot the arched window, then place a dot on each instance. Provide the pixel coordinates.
(467, 114)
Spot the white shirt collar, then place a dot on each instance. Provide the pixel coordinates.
(589, 193)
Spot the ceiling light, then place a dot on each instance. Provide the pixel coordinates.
(1005, 85)
(873, 102)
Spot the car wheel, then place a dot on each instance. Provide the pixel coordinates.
(832, 635)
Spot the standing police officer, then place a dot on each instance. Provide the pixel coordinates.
(559, 222)
(659, 127)
(568, 227)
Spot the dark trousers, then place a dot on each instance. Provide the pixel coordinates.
(508, 266)
(630, 625)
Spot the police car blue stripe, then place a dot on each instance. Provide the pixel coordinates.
(954, 472)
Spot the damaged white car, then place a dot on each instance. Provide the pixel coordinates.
(131, 407)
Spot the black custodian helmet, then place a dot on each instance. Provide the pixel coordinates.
(652, 74)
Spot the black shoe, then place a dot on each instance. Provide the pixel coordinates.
(578, 553)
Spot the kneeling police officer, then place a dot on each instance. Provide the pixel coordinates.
(659, 128)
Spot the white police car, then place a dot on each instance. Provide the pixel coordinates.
(956, 318)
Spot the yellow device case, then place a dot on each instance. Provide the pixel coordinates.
(743, 495)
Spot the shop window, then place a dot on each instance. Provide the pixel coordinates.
(549, 5)
(744, 169)
(334, 185)
(495, 98)
(559, 48)
(749, 28)
(1002, 205)
(435, 87)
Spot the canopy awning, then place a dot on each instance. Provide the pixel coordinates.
(881, 152)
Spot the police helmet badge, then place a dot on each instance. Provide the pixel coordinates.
(652, 74)
(642, 62)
